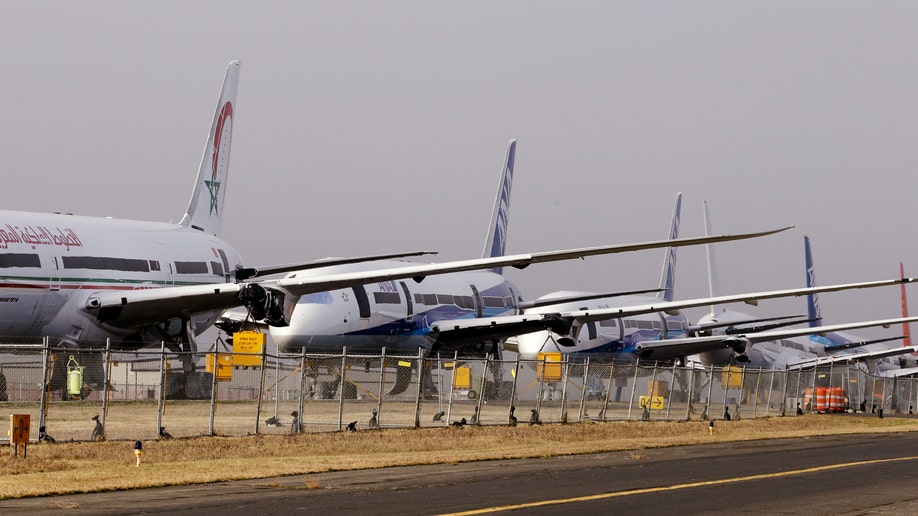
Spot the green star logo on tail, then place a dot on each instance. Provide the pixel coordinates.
(214, 188)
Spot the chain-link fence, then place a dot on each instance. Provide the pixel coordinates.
(158, 393)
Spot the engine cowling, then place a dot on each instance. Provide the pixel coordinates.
(271, 305)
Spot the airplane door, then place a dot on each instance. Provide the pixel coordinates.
(513, 302)
(591, 327)
(409, 312)
(226, 269)
(363, 302)
(477, 297)
(55, 280)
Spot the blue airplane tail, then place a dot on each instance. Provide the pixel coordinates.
(668, 278)
(812, 300)
(496, 243)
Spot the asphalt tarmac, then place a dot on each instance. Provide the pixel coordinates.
(854, 474)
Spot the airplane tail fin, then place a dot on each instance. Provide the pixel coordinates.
(668, 278)
(496, 242)
(713, 287)
(206, 205)
(906, 327)
(814, 314)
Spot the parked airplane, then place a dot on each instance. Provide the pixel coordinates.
(842, 344)
(81, 280)
(405, 318)
(795, 348)
(644, 327)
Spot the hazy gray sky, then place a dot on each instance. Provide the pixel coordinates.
(368, 127)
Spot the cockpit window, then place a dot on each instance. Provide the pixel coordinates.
(317, 298)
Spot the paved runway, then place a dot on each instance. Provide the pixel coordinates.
(857, 474)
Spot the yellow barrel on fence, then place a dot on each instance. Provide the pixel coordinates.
(74, 377)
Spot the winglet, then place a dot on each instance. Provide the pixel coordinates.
(668, 277)
(496, 243)
(812, 300)
(206, 205)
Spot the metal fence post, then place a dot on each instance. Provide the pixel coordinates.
(300, 402)
(564, 379)
(586, 378)
(276, 385)
(726, 386)
(633, 387)
(452, 383)
(107, 382)
(213, 390)
(417, 400)
(482, 387)
(161, 404)
(771, 388)
(691, 395)
(341, 381)
(45, 385)
(707, 402)
(605, 402)
(672, 387)
(261, 386)
(516, 374)
(382, 378)
(796, 389)
(541, 375)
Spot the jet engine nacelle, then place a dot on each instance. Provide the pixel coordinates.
(735, 351)
(274, 306)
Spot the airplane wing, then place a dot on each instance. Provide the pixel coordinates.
(900, 373)
(855, 357)
(664, 349)
(563, 322)
(273, 299)
(585, 316)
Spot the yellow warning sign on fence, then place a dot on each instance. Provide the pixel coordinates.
(653, 402)
(549, 366)
(247, 348)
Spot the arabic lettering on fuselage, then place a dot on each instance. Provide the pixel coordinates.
(38, 235)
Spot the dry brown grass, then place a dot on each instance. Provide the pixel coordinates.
(90, 466)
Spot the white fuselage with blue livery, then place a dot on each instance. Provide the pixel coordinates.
(607, 339)
(51, 266)
(396, 315)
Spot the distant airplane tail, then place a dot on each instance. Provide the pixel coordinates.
(206, 205)
(496, 243)
(668, 277)
(814, 314)
(713, 287)
(906, 327)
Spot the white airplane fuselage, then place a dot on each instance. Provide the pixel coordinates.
(396, 315)
(608, 339)
(52, 264)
